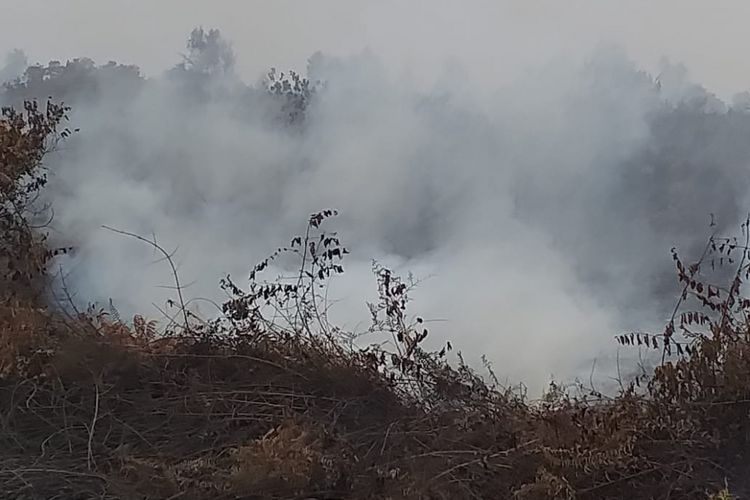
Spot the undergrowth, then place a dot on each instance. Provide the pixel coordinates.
(270, 400)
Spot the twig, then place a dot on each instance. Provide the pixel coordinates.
(51, 471)
(385, 439)
(230, 356)
(683, 294)
(169, 259)
(90, 454)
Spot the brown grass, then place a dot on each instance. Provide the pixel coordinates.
(93, 409)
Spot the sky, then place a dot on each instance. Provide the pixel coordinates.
(493, 39)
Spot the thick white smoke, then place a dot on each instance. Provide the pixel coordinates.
(533, 209)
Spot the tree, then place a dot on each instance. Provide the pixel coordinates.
(208, 53)
(78, 80)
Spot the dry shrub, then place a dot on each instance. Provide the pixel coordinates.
(546, 485)
(25, 340)
(248, 408)
(25, 137)
(284, 461)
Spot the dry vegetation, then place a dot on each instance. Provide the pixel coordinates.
(271, 401)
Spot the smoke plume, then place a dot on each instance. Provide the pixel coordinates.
(539, 213)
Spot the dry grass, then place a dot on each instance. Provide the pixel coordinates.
(93, 409)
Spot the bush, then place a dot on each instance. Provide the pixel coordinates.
(25, 137)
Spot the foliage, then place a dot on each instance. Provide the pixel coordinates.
(296, 301)
(293, 92)
(208, 53)
(25, 137)
(205, 74)
(76, 80)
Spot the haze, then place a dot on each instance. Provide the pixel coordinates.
(491, 37)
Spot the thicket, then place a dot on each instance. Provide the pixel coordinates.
(270, 400)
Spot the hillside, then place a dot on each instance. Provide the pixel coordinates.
(248, 405)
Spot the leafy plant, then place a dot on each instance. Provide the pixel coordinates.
(25, 137)
(293, 303)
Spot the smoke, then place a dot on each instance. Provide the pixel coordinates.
(540, 213)
(14, 66)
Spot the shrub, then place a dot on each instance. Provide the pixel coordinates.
(25, 137)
